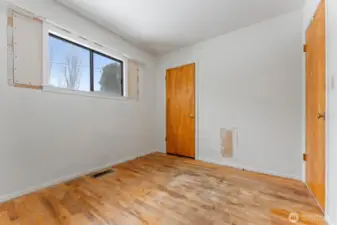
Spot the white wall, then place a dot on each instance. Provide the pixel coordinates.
(47, 137)
(332, 111)
(250, 79)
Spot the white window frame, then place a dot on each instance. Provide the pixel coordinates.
(50, 28)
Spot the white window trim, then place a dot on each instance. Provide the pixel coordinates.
(52, 89)
(50, 28)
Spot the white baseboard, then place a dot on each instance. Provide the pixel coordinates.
(16, 194)
(253, 169)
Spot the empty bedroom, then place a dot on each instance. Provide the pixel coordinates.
(165, 112)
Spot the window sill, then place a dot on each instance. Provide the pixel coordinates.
(52, 89)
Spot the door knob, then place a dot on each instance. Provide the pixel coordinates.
(191, 116)
(320, 116)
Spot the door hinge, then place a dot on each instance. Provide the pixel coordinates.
(305, 157)
(305, 48)
(165, 139)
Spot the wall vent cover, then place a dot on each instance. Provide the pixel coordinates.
(102, 173)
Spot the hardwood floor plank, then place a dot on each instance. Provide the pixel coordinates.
(164, 189)
(4, 218)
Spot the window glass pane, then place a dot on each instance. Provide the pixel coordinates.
(69, 65)
(108, 75)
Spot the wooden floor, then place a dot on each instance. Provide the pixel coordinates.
(161, 189)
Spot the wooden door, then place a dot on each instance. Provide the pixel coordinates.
(180, 111)
(315, 105)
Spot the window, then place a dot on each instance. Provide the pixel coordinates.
(77, 67)
(62, 61)
(108, 74)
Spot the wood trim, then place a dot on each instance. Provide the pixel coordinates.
(10, 21)
(37, 19)
(35, 87)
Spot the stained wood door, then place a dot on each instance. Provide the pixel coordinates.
(180, 111)
(315, 105)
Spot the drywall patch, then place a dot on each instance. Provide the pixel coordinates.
(228, 143)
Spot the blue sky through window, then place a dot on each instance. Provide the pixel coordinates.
(70, 65)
